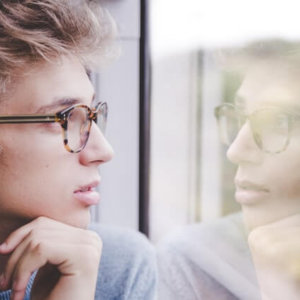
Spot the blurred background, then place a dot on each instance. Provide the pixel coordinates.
(177, 63)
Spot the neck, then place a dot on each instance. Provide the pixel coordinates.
(7, 226)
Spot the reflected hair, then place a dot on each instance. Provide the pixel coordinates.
(36, 31)
(261, 51)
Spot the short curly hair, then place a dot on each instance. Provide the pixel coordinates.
(35, 31)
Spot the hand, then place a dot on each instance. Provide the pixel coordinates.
(67, 259)
(275, 250)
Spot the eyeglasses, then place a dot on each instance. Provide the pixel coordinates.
(76, 122)
(271, 127)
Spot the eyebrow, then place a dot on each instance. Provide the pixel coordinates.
(240, 103)
(289, 108)
(60, 103)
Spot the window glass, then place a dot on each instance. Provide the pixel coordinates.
(226, 217)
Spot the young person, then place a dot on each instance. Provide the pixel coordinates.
(50, 152)
(266, 151)
(261, 128)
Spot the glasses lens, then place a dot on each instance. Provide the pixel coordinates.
(101, 117)
(270, 130)
(78, 128)
(229, 121)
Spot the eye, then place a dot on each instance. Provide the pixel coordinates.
(270, 122)
(281, 121)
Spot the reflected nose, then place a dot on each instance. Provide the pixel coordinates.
(244, 149)
(97, 150)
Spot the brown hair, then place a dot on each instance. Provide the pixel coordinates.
(34, 31)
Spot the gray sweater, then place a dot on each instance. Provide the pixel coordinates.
(209, 261)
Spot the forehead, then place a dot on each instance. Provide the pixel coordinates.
(44, 84)
(270, 84)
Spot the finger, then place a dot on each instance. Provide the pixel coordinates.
(15, 257)
(18, 235)
(15, 295)
(30, 260)
(15, 238)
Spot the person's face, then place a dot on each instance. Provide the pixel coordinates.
(38, 177)
(267, 185)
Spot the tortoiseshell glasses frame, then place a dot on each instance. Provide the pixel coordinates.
(75, 121)
(271, 126)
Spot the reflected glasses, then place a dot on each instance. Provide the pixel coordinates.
(270, 127)
(76, 122)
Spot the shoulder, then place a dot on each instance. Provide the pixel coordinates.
(209, 258)
(225, 235)
(201, 234)
(128, 264)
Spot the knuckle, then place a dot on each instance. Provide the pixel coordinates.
(264, 244)
(257, 238)
(274, 251)
(40, 221)
(34, 234)
(95, 240)
(93, 256)
(35, 239)
(92, 252)
(37, 247)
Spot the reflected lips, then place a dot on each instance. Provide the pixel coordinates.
(248, 192)
(88, 195)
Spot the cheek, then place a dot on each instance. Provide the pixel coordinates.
(30, 181)
(285, 180)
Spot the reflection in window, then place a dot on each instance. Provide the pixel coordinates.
(242, 203)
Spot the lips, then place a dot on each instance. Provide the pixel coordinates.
(88, 194)
(84, 189)
(248, 185)
(248, 192)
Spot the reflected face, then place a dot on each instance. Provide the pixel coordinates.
(38, 177)
(267, 185)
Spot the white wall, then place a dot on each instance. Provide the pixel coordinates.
(119, 86)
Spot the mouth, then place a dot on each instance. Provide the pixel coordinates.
(88, 194)
(250, 186)
(248, 192)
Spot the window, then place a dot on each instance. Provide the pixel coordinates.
(191, 179)
(119, 84)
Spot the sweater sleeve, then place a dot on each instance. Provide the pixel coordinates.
(128, 265)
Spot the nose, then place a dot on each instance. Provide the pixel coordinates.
(97, 150)
(244, 149)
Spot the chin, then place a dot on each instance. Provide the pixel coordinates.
(80, 220)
